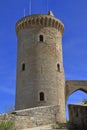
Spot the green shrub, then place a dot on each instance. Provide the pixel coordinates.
(67, 121)
(59, 126)
(7, 125)
(56, 126)
(84, 101)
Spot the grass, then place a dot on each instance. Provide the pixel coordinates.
(7, 125)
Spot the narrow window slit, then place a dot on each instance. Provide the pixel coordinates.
(58, 67)
(41, 38)
(23, 67)
(41, 96)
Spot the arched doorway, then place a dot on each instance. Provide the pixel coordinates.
(76, 97)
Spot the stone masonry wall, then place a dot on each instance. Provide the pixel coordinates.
(78, 115)
(43, 67)
(32, 117)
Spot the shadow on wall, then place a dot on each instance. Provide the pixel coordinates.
(76, 97)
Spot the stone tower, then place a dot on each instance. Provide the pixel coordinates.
(40, 73)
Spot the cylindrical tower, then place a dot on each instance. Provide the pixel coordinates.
(40, 73)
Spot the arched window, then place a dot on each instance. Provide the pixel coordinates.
(41, 38)
(58, 67)
(23, 67)
(41, 96)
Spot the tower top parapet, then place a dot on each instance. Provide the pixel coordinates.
(40, 20)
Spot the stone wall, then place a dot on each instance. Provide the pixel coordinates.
(32, 117)
(72, 86)
(78, 115)
(41, 74)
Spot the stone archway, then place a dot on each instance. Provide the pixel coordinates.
(77, 110)
(74, 85)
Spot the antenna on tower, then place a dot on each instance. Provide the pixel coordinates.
(47, 5)
(24, 12)
(30, 7)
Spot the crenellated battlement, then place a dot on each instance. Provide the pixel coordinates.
(40, 20)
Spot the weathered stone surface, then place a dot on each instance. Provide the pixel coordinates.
(32, 117)
(78, 115)
(41, 60)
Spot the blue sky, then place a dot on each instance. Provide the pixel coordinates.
(73, 13)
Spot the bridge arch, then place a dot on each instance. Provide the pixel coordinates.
(76, 97)
(81, 89)
(72, 86)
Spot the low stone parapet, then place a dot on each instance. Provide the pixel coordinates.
(32, 117)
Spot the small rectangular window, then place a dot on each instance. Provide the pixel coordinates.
(41, 38)
(58, 67)
(41, 96)
(23, 67)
